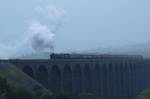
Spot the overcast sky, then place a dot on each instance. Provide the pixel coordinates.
(88, 24)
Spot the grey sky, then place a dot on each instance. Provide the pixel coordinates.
(88, 24)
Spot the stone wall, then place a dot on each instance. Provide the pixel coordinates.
(110, 78)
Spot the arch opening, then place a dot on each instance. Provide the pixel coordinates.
(104, 81)
(117, 81)
(55, 79)
(87, 79)
(67, 79)
(111, 81)
(29, 71)
(42, 75)
(77, 79)
(97, 83)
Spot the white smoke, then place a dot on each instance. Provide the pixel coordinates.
(40, 34)
(42, 37)
(43, 30)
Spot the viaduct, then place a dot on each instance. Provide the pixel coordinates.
(108, 76)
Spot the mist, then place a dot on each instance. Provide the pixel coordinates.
(37, 26)
(40, 34)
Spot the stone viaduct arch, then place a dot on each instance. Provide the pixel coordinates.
(97, 80)
(104, 80)
(87, 78)
(28, 70)
(55, 79)
(109, 77)
(116, 81)
(67, 79)
(42, 75)
(110, 80)
(77, 79)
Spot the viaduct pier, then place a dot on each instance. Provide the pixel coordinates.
(108, 76)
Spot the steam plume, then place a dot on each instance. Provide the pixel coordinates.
(43, 30)
(40, 34)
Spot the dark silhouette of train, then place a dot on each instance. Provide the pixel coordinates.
(108, 76)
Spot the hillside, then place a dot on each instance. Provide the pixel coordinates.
(18, 79)
(145, 94)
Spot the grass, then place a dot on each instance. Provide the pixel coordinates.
(17, 78)
(145, 94)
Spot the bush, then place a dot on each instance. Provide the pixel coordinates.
(88, 96)
(19, 93)
(61, 96)
(23, 94)
(74, 96)
(46, 96)
(3, 86)
(38, 90)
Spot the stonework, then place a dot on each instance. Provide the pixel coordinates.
(109, 76)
